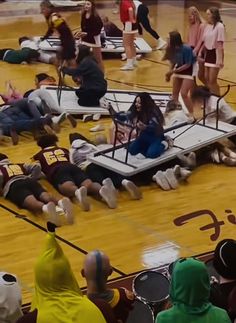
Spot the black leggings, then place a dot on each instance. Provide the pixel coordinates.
(89, 98)
(142, 19)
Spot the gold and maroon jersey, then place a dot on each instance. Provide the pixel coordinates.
(10, 171)
(51, 159)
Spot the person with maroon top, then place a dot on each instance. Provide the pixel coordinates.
(96, 270)
(223, 293)
(91, 27)
(67, 178)
(18, 184)
(57, 23)
(127, 17)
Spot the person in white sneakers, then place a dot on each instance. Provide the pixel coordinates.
(18, 184)
(67, 178)
(81, 147)
(142, 12)
(127, 17)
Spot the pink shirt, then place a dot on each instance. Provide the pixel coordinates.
(213, 34)
(195, 36)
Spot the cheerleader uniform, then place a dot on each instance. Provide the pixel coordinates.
(92, 26)
(57, 23)
(129, 27)
(212, 35)
(185, 56)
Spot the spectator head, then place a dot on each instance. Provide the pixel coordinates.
(46, 8)
(89, 6)
(200, 93)
(190, 286)
(10, 298)
(77, 136)
(21, 39)
(96, 270)
(4, 159)
(47, 141)
(224, 259)
(172, 106)
(44, 79)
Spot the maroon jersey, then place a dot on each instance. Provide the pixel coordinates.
(51, 159)
(10, 171)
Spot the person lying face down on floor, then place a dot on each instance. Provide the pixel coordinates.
(67, 178)
(96, 270)
(81, 147)
(23, 115)
(223, 292)
(57, 296)
(19, 56)
(189, 295)
(93, 84)
(10, 298)
(18, 184)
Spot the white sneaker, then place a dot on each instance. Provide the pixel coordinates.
(133, 190)
(96, 116)
(108, 196)
(50, 210)
(161, 44)
(170, 176)
(140, 156)
(59, 119)
(81, 195)
(66, 206)
(98, 127)
(184, 173)
(127, 67)
(161, 181)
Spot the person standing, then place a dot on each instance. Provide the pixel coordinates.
(213, 37)
(91, 26)
(127, 17)
(142, 13)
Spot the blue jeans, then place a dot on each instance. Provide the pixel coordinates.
(147, 145)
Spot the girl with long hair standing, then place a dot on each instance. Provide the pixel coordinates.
(127, 17)
(195, 38)
(182, 62)
(91, 26)
(213, 37)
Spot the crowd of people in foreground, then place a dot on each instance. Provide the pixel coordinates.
(194, 296)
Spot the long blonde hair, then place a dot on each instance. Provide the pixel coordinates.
(195, 12)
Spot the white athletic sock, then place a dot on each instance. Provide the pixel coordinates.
(81, 196)
(108, 196)
(133, 190)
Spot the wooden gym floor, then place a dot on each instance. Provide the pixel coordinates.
(138, 234)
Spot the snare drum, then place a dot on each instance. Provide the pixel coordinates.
(141, 313)
(152, 288)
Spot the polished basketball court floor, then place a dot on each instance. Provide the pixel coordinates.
(138, 234)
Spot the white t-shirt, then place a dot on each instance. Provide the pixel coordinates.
(213, 34)
(226, 113)
(29, 44)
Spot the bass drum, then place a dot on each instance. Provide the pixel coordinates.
(141, 313)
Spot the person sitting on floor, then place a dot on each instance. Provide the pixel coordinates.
(10, 298)
(110, 29)
(80, 149)
(189, 295)
(223, 293)
(18, 184)
(93, 84)
(24, 55)
(96, 270)
(57, 296)
(67, 178)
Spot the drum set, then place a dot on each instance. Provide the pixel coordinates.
(151, 290)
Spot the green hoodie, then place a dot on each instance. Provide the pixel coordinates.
(189, 294)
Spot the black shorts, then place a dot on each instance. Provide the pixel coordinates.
(210, 58)
(23, 188)
(68, 173)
